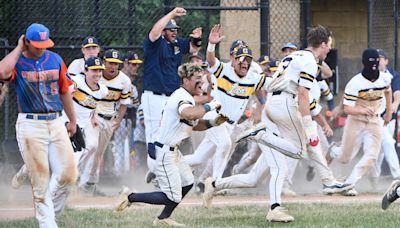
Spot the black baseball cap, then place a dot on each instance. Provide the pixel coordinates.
(94, 63)
(243, 51)
(264, 59)
(132, 57)
(112, 55)
(235, 44)
(90, 41)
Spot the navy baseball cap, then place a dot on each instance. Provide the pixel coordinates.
(243, 51)
(273, 65)
(132, 57)
(235, 44)
(172, 25)
(264, 59)
(382, 53)
(94, 63)
(113, 56)
(289, 45)
(39, 36)
(90, 41)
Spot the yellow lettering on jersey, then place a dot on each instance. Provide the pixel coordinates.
(235, 89)
(84, 99)
(113, 95)
(371, 94)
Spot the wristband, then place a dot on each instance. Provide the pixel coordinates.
(207, 107)
(210, 47)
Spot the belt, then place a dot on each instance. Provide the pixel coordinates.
(162, 145)
(43, 116)
(159, 94)
(105, 116)
(279, 93)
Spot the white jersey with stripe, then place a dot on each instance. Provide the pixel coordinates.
(314, 97)
(76, 67)
(232, 91)
(298, 69)
(119, 92)
(361, 92)
(173, 128)
(85, 99)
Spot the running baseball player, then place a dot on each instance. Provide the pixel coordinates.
(90, 48)
(86, 93)
(41, 85)
(180, 117)
(110, 112)
(362, 101)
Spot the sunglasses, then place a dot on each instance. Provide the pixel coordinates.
(173, 30)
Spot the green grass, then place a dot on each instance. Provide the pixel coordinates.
(306, 215)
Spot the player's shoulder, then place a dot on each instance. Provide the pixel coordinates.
(124, 78)
(103, 89)
(386, 76)
(53, 56)
(77, 62)
(78, 79)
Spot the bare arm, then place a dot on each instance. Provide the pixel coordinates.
(121, 113)
(159, 26)
(358, 111)
(214, 38)
(8, 63)
(388, 114)
(193, 113)
(304, 105)
(326, 71)
(66, 100)
(396, 100)
(325, 126)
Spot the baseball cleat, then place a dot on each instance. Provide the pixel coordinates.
(208, 193)
(251, 131)
(391, 194)
(122, 201)
(279, 214)
(350, 192)
(167, 222)
(18, 180)
(336, 188)
(149, 177)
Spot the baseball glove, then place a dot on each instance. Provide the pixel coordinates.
(77, 140)
(221, 118)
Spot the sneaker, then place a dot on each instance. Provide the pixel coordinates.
(251, 131)
(92, 189)
(149, 177)
(350, 192)
(279, 214)
(18, 180)
(390, 195)
(328, 156)
(336, 188)
(208, 193)
(122, 201)
(167, 222)
(310, 173)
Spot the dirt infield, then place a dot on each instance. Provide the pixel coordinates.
(19, 209)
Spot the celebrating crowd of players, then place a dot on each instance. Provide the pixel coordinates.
(273, 106)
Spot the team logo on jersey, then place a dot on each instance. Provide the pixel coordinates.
(43, 35)
(236, 90)
(176, 50)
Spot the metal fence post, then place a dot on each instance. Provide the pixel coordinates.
(370, 15)
(264, 27)
(7, 99)
(306, 15)
(396, 37)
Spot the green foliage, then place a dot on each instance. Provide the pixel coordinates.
(306, 215)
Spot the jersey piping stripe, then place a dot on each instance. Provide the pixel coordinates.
(114, 89)
(326, 92)
(373, 89)
(218, 71)
(166, 175)
(261, 83)
(350, 97)
(233, 82)
(186, 122)
(313, 105)
(306, 76)
(89, 107)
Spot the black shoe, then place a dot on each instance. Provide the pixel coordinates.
(390, 195)
(200, 187)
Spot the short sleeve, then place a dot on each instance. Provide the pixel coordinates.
(183, 104)
(64, 82)
(350, 93)
(307, 74)
(261, 83)
(217, 68)
(315, 107)
(126, 94)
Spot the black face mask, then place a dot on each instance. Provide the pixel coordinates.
(370, 60)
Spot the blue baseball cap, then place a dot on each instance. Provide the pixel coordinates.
(39, 36)
(243, 51)
(289, 45)
(90, 41)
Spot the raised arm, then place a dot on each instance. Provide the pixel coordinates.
(8, 63)
(214, 38)
(159, 26)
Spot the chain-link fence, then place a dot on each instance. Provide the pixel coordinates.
(120, 24)
(383, 27)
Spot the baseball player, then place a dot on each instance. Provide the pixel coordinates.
(288, 49)
(90, 48)
(110, 112)
(388, 150)
(86, 93)
(234, 85)
(362, 101)
(180, 117)
(41, 84)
